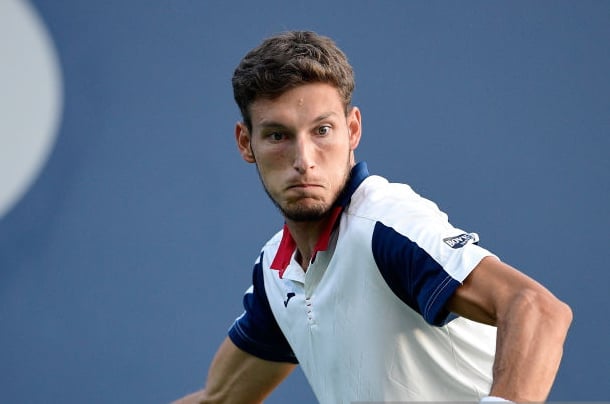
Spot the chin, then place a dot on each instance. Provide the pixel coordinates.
(306, 213)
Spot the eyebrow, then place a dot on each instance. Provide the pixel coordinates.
(273, 124)
(324, 116)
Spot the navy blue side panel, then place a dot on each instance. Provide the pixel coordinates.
(412, 274)
(257, 331)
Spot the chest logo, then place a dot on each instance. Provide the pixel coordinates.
(288, 297)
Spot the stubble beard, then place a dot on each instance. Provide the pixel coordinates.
(299, 213)
(312, 212)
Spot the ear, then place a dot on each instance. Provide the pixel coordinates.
(242, 137)
(354, 123)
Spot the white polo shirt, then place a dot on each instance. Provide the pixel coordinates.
(367, 320)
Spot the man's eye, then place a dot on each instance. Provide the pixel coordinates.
(276, 136)
(324, 130)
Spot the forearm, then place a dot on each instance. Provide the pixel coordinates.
(531, 334)
(236, 377)
(193, 398)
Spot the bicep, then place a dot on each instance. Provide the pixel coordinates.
(238, 377)
(488, 289)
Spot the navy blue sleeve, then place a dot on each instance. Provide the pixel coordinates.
(257, 331)
(413, 275)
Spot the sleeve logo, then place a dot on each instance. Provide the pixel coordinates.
(461, 240)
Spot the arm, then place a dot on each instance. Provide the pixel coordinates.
(532, 326)
(238, 377)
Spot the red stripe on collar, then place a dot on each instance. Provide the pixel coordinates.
(322, 244)
(288, 245)
(284, 252)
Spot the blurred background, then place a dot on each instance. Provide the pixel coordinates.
(129, 224)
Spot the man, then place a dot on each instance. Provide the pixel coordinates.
(368, 287)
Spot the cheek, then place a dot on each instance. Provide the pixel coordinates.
(339, 170)
(271, 161)
(270, 166)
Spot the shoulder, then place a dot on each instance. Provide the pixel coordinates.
(388, 202)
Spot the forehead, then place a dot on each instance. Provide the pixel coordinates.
(300, 104)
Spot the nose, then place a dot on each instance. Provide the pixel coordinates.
(303, 154)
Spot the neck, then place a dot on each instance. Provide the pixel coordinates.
(311, 237)
(306, 236)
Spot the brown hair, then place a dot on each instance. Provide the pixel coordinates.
(287, 60)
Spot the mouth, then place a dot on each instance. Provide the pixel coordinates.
(304, 186)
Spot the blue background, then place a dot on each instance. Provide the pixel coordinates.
(124, 265)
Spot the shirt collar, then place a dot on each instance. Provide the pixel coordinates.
(287, 245)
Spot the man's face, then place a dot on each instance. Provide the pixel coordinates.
(302, 143)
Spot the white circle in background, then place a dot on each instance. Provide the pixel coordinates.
(30, 99)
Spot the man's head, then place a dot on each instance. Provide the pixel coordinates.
(286, 61)
(298, 126)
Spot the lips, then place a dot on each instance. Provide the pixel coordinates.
(304, 186)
